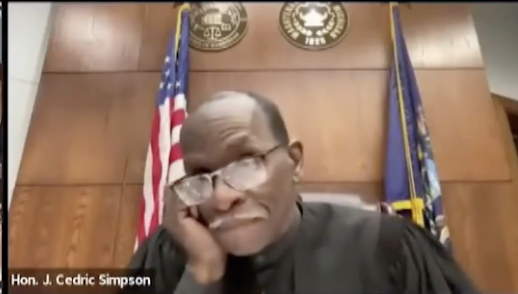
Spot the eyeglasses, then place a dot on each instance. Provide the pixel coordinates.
(240, 175)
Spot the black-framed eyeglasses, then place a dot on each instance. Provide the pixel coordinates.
(240, 175)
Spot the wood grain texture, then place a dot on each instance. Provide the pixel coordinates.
(474, 211)
(84, 127)
(509, 205)
(92, 37)
(127, 225)
(101, 134)
(438, 36)
(126, 37)
(53, 227)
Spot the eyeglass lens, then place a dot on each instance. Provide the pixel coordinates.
(240, 175)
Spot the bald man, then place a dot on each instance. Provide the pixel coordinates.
(235, 222)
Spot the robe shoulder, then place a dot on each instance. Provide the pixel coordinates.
(418, 262)
(160, 256)
(397, 256)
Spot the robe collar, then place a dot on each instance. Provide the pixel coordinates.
(274, 254)
(314, 247)
(256, 270)
(334, 250)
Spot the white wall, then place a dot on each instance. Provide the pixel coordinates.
(497, 29)
(28, 31)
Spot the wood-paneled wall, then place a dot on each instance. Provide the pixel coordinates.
(79, 185)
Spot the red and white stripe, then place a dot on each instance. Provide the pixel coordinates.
(164, 162)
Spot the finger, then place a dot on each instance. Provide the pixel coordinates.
(194, 212)
(182, 214)
(180, 205)
(173, 212)
(175, 202)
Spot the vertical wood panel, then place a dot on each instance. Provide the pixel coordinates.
(93, 37)
(463, 127)
(72, 137)
(479, 216)
(441, 36)
(84, 127)
(127, 224)
(63, 226)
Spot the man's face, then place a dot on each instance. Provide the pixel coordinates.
(223, 132)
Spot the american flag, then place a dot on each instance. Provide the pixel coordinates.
(164, 162)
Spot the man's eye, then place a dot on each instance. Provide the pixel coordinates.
(198, 171)
(247, 155)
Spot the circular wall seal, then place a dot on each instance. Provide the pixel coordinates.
(313, 25)
(217, 26)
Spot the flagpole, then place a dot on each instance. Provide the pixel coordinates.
(416, 216)
(182, 8)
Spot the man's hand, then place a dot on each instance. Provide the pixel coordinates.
(205, 258)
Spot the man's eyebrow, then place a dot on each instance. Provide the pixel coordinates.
(239, 141)
(194, 159)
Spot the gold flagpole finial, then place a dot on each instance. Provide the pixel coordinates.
(185, 6)
(397, 4)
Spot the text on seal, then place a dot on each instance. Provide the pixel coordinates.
(313, 25)
(217, 26)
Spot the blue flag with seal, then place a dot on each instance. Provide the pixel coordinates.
(412, 184)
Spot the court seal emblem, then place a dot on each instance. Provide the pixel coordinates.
(313, 25)
(217, 26)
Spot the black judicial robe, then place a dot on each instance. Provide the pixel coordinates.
(337, 250)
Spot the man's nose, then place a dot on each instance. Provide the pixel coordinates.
(223, 196)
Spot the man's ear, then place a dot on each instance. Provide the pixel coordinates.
(296, 153)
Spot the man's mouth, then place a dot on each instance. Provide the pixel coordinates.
(234, 224)
(235, 221)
